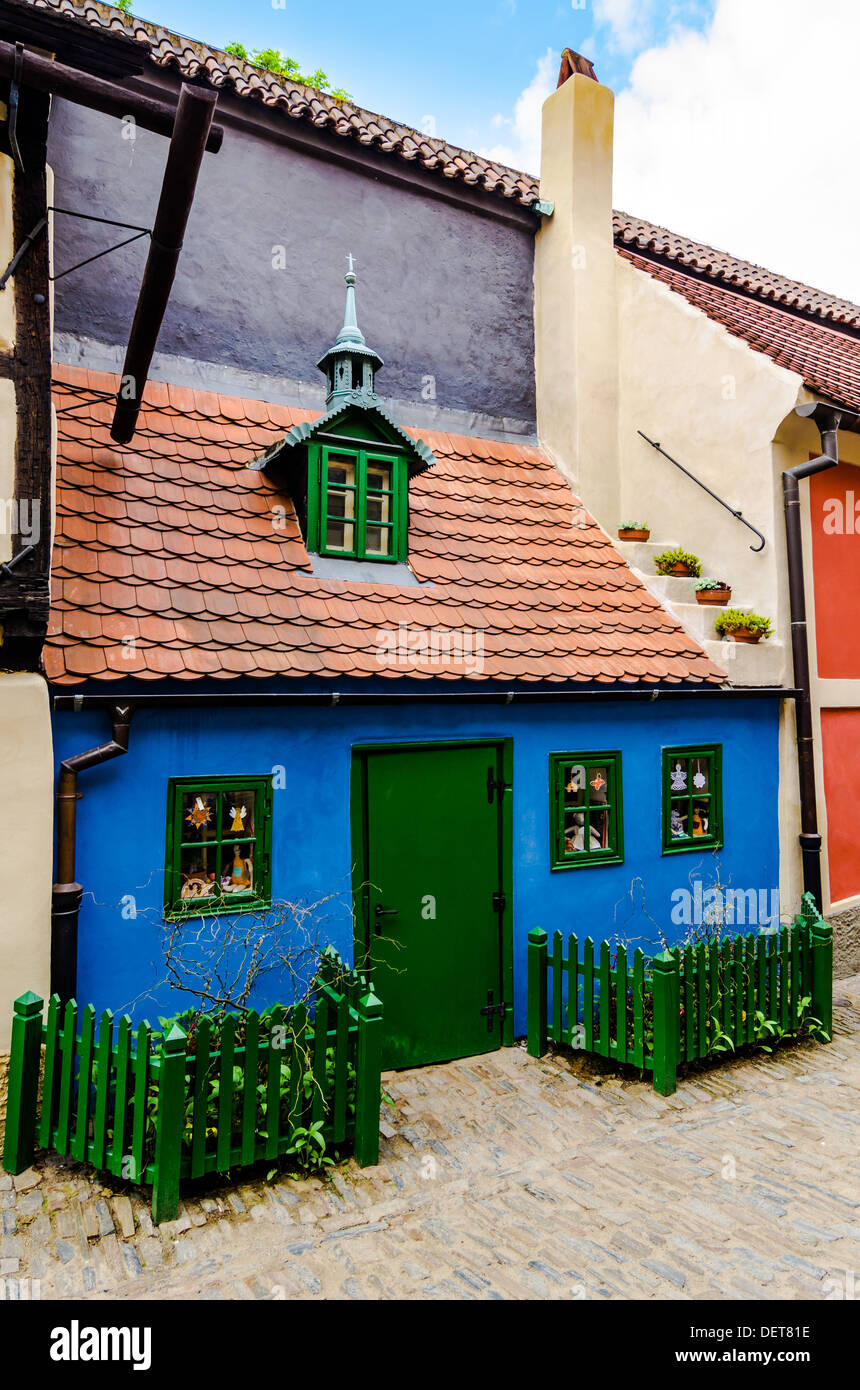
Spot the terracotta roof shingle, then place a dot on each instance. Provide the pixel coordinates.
(193, 59)
(782, 318)
(174, 558)
(827, 359)
(635, 234)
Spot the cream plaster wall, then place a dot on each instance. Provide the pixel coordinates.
(576, 349)
(715, 405)
(7, 250)
(26, 760)
(26, 755)
(8, 431)
(616, 351)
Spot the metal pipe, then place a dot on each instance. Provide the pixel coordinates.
(334, 698)
(739, 516)
(67, 892)
(828, 419)
(112, 98)
(188, 143)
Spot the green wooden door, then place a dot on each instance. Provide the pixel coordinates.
(434, 859)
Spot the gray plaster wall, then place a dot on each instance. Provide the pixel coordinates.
(444, 292)
(846, 942)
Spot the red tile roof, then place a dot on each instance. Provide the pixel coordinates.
(169, 560)
(828, 362)
(649, 240)
(826, 358)
(195, 60)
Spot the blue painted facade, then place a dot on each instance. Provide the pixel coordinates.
(121, 818)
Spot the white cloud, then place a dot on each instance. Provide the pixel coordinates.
(629, 21)
(745, 136)
(521, 148)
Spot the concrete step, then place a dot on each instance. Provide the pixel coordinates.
(666, 588)
(699, 618)
(640, 554)
(764, 663)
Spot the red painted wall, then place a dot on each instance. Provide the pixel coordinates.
(835, 511)
(840, 736)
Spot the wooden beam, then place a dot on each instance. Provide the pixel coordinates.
(105, 52)
(112, 98)
(25, 591)
(193, 120)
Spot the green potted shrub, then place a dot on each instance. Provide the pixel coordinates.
(678, 564)
(713, 591)
(742, 625)
(634, 531)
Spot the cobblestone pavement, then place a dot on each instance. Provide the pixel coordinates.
(504, 1177)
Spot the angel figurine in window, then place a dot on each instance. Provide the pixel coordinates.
(679, 778)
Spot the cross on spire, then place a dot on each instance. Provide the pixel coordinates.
(349, 364)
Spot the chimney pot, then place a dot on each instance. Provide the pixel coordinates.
(572, 62)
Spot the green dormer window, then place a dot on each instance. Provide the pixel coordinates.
(348, 471)
(357, 504)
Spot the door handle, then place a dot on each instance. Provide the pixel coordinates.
(383, 912)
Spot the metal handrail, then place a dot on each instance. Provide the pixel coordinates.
(739, 515)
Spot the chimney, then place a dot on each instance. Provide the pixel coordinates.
(576, 334)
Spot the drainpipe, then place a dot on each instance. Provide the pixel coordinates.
(67, 893)
(828, 419)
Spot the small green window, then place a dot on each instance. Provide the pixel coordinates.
(692, 798)
(586, 822)
(357, 503)
(219, 836)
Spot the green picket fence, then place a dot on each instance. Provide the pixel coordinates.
(157, 1110)
(677, 1007)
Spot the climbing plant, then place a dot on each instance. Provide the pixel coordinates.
(274, 61)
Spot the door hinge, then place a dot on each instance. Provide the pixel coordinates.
(494, 785)
(492, 1010)
(500, 902)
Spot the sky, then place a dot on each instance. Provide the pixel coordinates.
(736, 121)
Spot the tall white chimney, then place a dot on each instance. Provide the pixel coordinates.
(576, 329)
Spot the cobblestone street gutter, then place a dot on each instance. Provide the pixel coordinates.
(503, 1177)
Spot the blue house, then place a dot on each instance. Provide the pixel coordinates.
(353, 681)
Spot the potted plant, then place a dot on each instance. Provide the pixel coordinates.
(678, 564)
(634, 531)
(742, 625)
(713, 591)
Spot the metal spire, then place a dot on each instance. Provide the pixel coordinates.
(349, 364)
(350, 333)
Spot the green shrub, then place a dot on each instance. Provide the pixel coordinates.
(733, 618)
(665, 562)
(274, 61)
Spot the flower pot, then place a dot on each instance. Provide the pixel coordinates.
(631, 534)
(679, 571)
(720, 596)
(744, 634)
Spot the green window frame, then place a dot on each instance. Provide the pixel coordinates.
(692, 778)
(585, 810)
(371, 515)
(197, 855)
